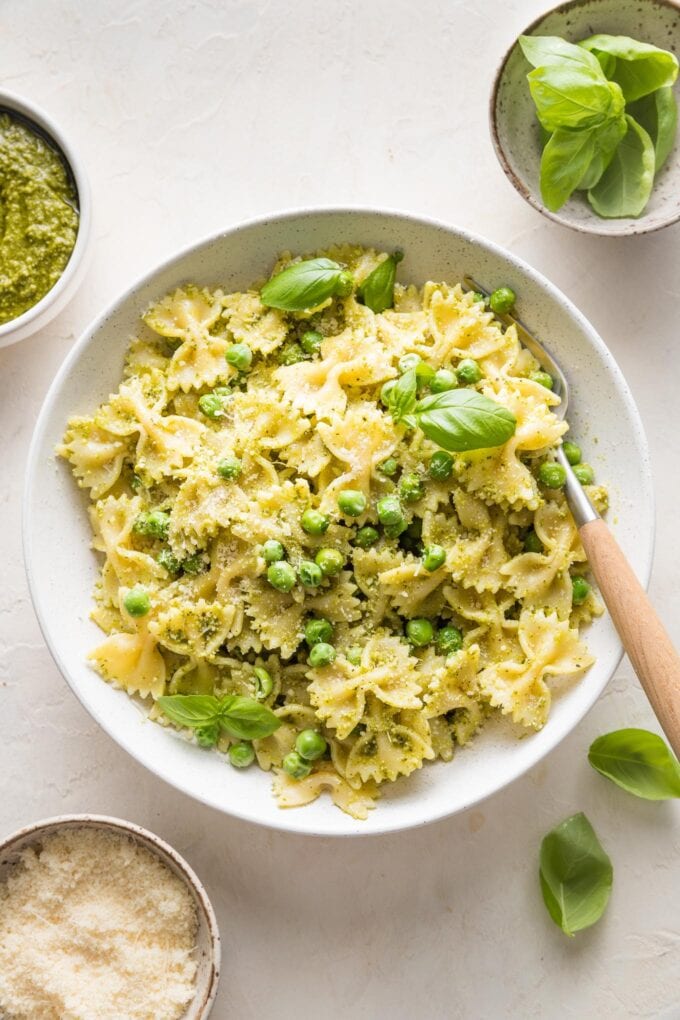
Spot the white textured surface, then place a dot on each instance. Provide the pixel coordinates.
(193, 116)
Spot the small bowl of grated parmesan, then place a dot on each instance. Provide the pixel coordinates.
(101, 918)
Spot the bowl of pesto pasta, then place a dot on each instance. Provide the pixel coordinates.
(294, 530)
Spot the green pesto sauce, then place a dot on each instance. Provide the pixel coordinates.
(38, 218)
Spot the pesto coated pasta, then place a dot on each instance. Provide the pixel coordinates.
(270, 528)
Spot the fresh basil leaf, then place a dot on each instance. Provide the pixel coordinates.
(638, 761)
(606, 139)
(550, 50)
(460, 420)
(626, 184)
(402, 399)
(565, 160)
(636, 66)
(573, 97)
(377, 290)
(303, 285)
(576, 875)
(246, 718)
(658, 115)
(191, 710)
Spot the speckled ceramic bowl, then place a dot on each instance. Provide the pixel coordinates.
(57, 298)
(62, 567)
(208, 951)
(515, 130)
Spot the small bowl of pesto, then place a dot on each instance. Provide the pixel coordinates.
(44, 219)
(584, 114)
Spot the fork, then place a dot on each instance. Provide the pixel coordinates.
(642, 634)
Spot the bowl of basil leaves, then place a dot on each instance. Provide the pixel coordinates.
(584, 115)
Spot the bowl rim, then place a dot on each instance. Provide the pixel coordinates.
(86, 337)
(161, 849)
(634, 227)
(33, 113)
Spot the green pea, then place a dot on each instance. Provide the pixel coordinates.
(321, 654)
(389, 510)
(310, 745)
(352, 502)
(366, 537)
(295, 766)
(584, 473)
(468, 371)
(264, 684)
(290, 354)
(580, 589)
(419, 632)
(241, 755)
(311, 341)
(229, 468)
(443, 380)
(272, 551)
(502, 300)
(207, 736)
(449, 639)
(532, 542)
(281, 576)
(154, 524)
(543, 378)
(572, 452)
(434, 557)
(240, 356)
(396, 529)
(222, 391)
(408, 361)
(388, 467)
(137, 602)
(386, 391)
(318, 631)
(310, 574)
(345, 284)
(194, 564)
(168, 561)
(353, 655)
(411, 488)
(314, 522)
(441, 466)
(552, 475)
(211, 405)
(478, 298)
(329, 561)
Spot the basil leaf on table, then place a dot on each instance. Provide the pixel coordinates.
(569, 96)
(626, 184)
(638, 761)
(462, 420)
(564, 162)
(377, 290)
(191, 710)
(637, 67)
(304, 285)
(246, 718)
(575, 874)
(658, 115)
(550, 50)
(606, 139)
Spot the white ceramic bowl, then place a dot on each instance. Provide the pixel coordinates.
(65, 287)
(208, 950)
(515, 131)
(62, 568)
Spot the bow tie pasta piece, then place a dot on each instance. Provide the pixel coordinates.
(296, 793)
(249, 322)
(450, 683)
(394, 743)
(459, 326)
(491, 630)
(551, 648)
(132, 661)
(359, 441)
(194, 629)
(96, 456)
(112, 519)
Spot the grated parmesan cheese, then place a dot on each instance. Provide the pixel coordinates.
(94, 926)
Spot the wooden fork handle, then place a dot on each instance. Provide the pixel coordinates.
(644, 637)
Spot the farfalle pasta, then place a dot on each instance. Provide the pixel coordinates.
(272, 529)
